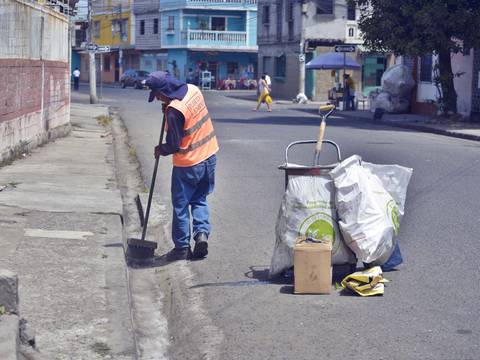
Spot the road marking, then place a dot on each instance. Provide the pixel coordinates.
(58, 234)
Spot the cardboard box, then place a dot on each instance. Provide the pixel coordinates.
(312, 266)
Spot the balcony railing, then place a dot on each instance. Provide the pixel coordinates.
(222, 2)
(205, 4)
(209, 38)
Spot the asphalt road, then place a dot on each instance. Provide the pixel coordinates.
(429, 310)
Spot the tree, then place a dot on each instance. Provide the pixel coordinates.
(422, 27)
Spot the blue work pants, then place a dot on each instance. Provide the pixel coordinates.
(190, 187)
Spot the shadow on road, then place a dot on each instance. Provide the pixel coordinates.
(337, 121)
(258, 275)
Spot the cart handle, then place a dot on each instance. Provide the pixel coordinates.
(337, 148)
(325, 111)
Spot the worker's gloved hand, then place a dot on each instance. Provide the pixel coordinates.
(157, 152)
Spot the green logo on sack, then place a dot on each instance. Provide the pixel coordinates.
(320, 226)
(394, 215)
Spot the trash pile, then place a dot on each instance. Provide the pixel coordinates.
(397, 86)
(357, 208)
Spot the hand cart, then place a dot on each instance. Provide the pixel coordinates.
(316, 169)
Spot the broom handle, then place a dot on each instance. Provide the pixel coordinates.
(152, 185)
(318, 145)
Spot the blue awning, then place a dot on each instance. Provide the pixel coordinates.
(332, 61)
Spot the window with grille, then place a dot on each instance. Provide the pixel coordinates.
(280, 66)
(266, 15)
(171, 23)
(324, 7)
(266, 19)
(96, 29)
(106, 63)
(351, 10)
(289, 17)
(267, 63)
(218, 23)
(426, 68)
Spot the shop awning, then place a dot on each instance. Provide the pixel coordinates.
(332, 61)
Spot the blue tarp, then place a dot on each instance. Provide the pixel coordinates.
(332, 61)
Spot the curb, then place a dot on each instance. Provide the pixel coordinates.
(417, 127)
(424, 128)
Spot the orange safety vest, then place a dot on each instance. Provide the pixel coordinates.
(199, 141)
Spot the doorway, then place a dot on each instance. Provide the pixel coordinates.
(213, 68)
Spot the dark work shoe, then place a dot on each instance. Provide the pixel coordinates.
(201, 246)
(178, 254)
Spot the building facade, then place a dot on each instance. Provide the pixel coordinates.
(426, 93)
(112, 25)
(147, 34)
(291, 33)
(210, 39)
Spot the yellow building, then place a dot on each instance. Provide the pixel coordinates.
(112, 28)
(113, 25)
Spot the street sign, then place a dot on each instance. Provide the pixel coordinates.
(91, 47)
(301, 58)
(344, 48)
(104, 49)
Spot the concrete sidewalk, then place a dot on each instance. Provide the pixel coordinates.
(60, 216)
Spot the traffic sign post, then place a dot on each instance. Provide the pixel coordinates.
(344, 49)
(95, 49)
(91, 47)
(103, 49)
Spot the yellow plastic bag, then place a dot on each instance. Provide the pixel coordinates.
(369, 282)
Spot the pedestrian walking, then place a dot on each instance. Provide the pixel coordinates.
(264, 90)
(350, 88)
(268, 80)
(191, 141)
(76, 78)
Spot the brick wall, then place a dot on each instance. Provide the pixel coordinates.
(35, 76)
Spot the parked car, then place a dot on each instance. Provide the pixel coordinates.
(133, 78)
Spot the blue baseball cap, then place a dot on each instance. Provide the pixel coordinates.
(167, 85)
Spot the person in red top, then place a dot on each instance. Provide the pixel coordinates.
(192, 143)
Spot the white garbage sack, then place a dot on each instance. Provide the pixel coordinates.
(397, 86)
(370, 202)
(308, 209)
(398, 81)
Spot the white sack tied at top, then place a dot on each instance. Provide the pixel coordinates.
(370, 201)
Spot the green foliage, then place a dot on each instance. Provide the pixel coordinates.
(419, 27)
(422, 27)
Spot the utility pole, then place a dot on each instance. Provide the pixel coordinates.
(301, 58)
(91, 59)
(120, 47)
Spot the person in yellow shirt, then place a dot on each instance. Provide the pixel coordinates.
(264, 90)
(350, 88)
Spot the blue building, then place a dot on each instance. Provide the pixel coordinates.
(218, 36)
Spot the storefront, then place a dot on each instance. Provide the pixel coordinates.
(373, 68)
(228, 70)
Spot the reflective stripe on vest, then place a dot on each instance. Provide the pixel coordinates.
(199, 141)
(196, 145)
(198, 125)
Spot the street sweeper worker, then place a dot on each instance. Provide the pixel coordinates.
(191, 141)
